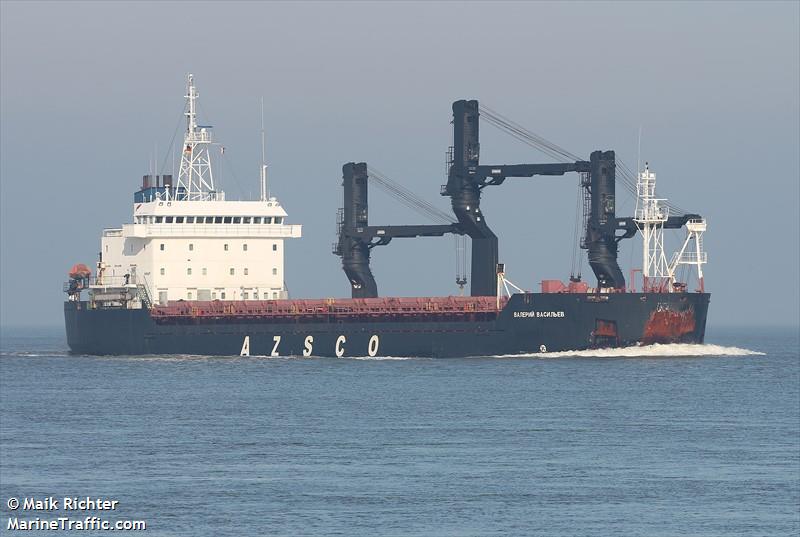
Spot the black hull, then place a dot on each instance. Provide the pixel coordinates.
(529, 323)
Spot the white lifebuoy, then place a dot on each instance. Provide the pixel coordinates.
(542, 348)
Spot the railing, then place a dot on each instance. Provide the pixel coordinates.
(112, 281)
(692, 257)
(215, 230)
(373, 308)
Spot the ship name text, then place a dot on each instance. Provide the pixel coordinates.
(538, 314)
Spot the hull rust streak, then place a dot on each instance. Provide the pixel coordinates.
(667, 326)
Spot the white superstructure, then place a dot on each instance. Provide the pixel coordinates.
(186, 242)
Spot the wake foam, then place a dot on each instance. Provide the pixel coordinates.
(379, 358)
(41, 354)
(655, 350)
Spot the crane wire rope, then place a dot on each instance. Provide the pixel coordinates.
(408, 198)
(415, 202)
(171, 146)
(523, 134)
(554, 151)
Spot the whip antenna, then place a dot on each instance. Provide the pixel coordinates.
(264, 193)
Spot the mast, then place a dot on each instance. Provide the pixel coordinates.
(651, 216)
(195, 177)
(264, 193)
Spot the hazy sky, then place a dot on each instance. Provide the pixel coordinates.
(88, 91)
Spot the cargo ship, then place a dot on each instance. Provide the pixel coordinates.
(195, 273)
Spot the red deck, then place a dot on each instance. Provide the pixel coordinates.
(396, 308)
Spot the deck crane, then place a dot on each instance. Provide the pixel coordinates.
(357, 238)
(467, 178)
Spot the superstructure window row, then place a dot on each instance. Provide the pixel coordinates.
(209, 220)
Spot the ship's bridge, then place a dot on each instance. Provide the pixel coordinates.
(211, 219)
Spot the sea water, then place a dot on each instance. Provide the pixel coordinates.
(652, 441)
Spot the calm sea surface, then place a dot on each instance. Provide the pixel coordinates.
(560, 445)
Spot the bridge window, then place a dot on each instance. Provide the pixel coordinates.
(275, 247)
(191, 247)
(244, 247)
(267, 219)
(274, 271)
(179, 220)
(228, 219)
(278, 219)
(168, 219)
(237, 219)
(245, 220)
(217, 219)
(190, 219)
(256, 219)
(161, 247)
(233, 271)
(159, 219)
(225, 247)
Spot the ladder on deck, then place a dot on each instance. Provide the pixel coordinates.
(144, 296)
